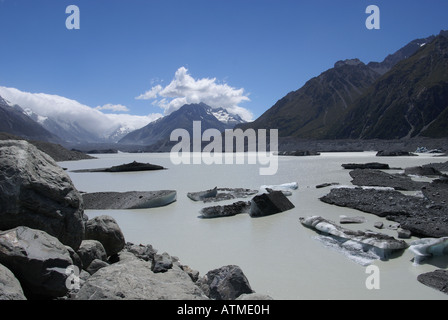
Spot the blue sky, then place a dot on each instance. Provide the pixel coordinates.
(257, 49)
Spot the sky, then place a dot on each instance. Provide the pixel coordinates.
(141, 59)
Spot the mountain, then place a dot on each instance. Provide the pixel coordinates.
(160, 130)
(307, 112)
(14, 120)
(334, 104)
(391, 60)
(410, 100)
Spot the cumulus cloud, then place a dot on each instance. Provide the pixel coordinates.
(184, 89)
(66, 110)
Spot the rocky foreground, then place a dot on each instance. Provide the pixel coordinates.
(49, 248)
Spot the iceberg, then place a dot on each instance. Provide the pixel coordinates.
(427, 247)
(357, 243)
(285, 188)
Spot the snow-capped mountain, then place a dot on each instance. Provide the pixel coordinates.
(183, 118)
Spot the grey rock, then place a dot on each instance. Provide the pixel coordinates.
(254, 296)
(128, 200)
(105, 230)
(145, 252)
(90, 250)
(202, 195)
(96, 265)
(269, 203)
(133, 280)
(225, 283)
(38, 260)
(162, 263)
(10, 288)
(328, 184)
(37, 193)
(437, 279)
(379, 225)
(404, 234)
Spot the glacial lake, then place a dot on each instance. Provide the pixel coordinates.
(279, 256)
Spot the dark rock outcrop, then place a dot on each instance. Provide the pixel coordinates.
(225, 283)
(128, 200)
(219, 194)
(37, 193)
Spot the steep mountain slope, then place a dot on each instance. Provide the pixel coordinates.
(319, 106)
(307, 112)
(15, 121)
(183, 118)
(410, 100)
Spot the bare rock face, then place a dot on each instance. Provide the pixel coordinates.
(106, 230)
(37, 193)
(38, 260)
(10, 288)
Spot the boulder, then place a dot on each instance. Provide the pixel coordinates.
(225, 283)
(10, 288)
(90, 250)
(37, 193)
(105, 230)
(161, 263)
(96, 265)
(269, 203)
(144, 252)
(37, 259)
(128, 200)
(133, 279)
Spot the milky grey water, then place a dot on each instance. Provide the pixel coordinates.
(279, 256)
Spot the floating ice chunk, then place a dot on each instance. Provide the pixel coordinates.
(376, 244)
(285, 188)
(428, 247)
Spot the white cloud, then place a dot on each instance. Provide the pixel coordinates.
(184, 89)
(67, 110)
(113, 107)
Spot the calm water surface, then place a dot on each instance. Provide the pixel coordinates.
(277, 254)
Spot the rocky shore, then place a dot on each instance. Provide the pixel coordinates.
(50, 249)
(423, 214)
